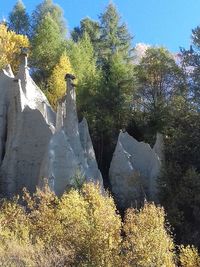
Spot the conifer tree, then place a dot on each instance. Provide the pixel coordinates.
(19, 19)
(89, 27)
(48, 40)
(47, 47)
(47, 7)
(114, 36)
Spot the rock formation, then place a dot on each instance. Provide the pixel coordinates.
(70, 151)
(133, 171)
(36, 143)
(26, 125)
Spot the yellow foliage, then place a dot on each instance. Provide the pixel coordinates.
(57, 84)
(147, 242)
(10, 44)
(82, 222)
(92, 226)
(82, 228)
(189, 256)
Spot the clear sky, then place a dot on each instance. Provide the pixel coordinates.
(155, 22)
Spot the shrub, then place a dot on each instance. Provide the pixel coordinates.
(189, 256)
(147, 241)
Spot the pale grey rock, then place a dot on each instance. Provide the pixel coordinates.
(8, 71)
(133, 171)
(70, 151)
(86, 142)
(6, 90)
(35, 144)
(28, 128)
(60, 164)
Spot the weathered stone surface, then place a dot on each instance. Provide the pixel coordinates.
(133, 171)
(6, 90)
(28, 123)
(93, 172)
(70, 150)
(29, 149)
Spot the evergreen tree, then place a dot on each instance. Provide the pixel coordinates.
(114, 95)
(113, 106)
(47, 47)
(88, 26)
(48, 40)
(18, 19)
(114, 36)
(83, 60)
(106, 90)
(191, 61)
(47, 7)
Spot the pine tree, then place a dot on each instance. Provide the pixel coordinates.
(114, 36)
(19, 19)
(89, 27)
(48, 40)
(47, 7)
(108, 98)
(47, 47)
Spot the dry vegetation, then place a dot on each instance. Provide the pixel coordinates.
(83, 228)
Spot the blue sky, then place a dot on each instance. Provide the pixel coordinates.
(155, 22)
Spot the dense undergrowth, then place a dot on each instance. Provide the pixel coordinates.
(83, 228)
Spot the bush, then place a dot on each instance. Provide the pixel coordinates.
(83, 228)
(148, 241)
(189, 256)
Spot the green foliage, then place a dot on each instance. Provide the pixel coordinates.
(47, 7)
(159, 80)
(105, 81)
(19, 19)
(180, 181)
(48, 41)
(113, 106)
(114, 36)
(191, 62)
(89, 27)
(148, 241)
(83, 60)
(47, 47)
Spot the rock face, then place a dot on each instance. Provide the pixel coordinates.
(26, 125)
(70, 151)
(133, 171)
(35, 143)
